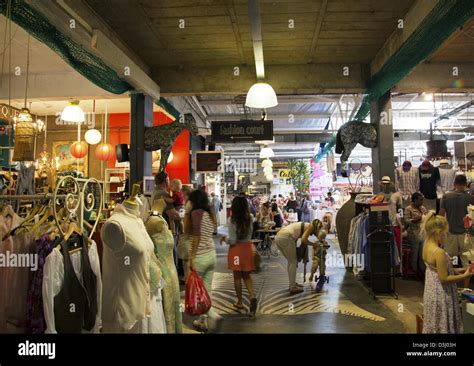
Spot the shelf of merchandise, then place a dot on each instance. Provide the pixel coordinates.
(112, 188)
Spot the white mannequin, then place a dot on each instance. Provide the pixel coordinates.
(114, 237)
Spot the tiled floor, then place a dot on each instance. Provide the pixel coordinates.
(345, 305)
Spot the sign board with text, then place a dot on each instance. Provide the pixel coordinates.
(284, 173)
(241, 131)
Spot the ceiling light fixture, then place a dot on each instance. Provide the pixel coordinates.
(268, 170)
(261, 95)
(73, 113)
(266, 153)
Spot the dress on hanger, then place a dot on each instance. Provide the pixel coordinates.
(164, 244)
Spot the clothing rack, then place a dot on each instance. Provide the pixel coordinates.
(85, 202)
(380, 241)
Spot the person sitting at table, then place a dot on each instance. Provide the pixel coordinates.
(277, 216)
(286, 240)
(264, 216)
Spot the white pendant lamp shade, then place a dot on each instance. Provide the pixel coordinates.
(73, 113)
(266, 153)
(93, 136)
(269, 177)
(261, 95)
(267, 163)
(268, 170)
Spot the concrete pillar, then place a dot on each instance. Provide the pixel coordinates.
(382, 155)
(141, 116)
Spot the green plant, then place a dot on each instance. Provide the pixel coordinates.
(299, 174)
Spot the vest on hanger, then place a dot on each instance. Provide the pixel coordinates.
(75, 306)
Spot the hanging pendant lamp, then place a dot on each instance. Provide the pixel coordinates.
(261, 95)
(73, 113)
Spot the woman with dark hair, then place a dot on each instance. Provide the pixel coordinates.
(277, 216)
(203, 251)
(241, 256)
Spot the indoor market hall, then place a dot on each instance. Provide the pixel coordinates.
(237, 167)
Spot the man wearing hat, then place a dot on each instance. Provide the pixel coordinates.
(395, 199)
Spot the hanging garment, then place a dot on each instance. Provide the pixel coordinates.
(447, 176)
(164, 243)
(407, 182)
(26, 180)
(72, 278)
(36, 323)
(128, 304)
(8, 221)
(23, 248)
(429, 178)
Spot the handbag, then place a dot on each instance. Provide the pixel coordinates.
(197, 300)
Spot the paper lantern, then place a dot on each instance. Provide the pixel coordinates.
(267, 163)
(268, 170)
(79, 149)
(104, 152)
(93, 136)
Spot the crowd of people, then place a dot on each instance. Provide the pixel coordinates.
(435, 239)
(192, 215)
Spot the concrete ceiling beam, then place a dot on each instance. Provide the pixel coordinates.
(285, 79)
(92, 33)
(411, 21)
(438, 78)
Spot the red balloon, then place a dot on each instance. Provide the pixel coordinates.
(104, 152)
(79, 149)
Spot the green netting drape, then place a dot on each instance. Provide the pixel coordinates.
(434, 30)
(167, 106)
(84, 62)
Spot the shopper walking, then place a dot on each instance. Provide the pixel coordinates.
(291, 204)
(454, 207)
(217, 207)
(203, 252)
(241, 255)
(286, 240)
(441, 309)
(413, 215)
(306, 209)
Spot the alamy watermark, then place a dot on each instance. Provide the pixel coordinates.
(89, 120)
(338, 260)
(12, 260)
(242, 165)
